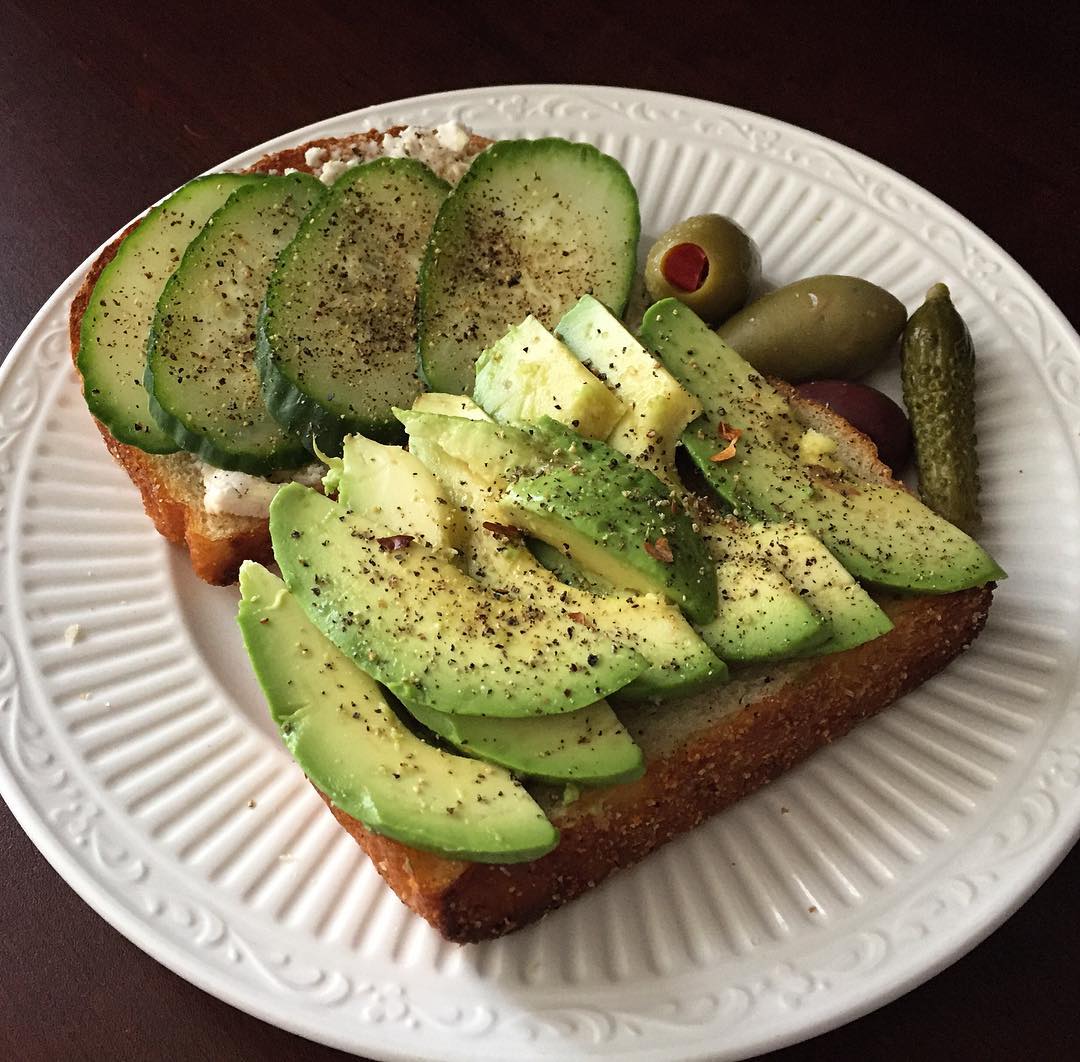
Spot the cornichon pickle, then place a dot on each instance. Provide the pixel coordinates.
(938, 372)
(831, 327)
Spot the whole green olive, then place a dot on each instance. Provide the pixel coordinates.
(706, 262)
(828, 327)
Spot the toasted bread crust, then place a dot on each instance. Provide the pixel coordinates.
(170, 489)
(708, 769)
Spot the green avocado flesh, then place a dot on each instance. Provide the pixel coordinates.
(496, 454)
(882, 535)
(200, 359)
(657, 407)
(347, 739)
(615, 519)
(427, 631)
(760, 615)
(582, 496)
(566, 570)
(469, 466)
(851, 615)
(337, 336)
(531, 225)
(394, 492)
(529, 374)
(112, 342)
(448, 405)
(589, 746)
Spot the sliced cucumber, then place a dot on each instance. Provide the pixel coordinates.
(112, 343)
(200, 358)
(531, 226)
(337, 336)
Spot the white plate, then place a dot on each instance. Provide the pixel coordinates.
(130, 757)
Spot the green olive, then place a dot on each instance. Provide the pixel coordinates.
(706, 262)
(828, 327)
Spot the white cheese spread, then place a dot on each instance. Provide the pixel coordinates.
(443, 149)
(240, 494)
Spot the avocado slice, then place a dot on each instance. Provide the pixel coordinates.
(615, 518)
(528, 373)
(851, 614)
(589, 746)
(658, 407)
(392, 490)
(882, 535)
(426, 630)
(346, 738)
(470, 467)
(566, 570)
(583, 496)
(448, 405)
(760, 615)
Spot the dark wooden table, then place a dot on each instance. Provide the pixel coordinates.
(106, 106)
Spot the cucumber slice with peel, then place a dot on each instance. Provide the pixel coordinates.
(200, 359)
(112, 341)
(531, 226)
(337, 337)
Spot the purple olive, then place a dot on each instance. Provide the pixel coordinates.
(869, 411)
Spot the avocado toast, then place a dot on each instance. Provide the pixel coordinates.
(701, 747)
(510, 838)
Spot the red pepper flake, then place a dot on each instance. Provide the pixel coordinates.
(660, 550)
(506, 531)
(726, 431)
(392, 543)
(580, 617)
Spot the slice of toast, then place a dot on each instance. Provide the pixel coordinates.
(171, 485)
